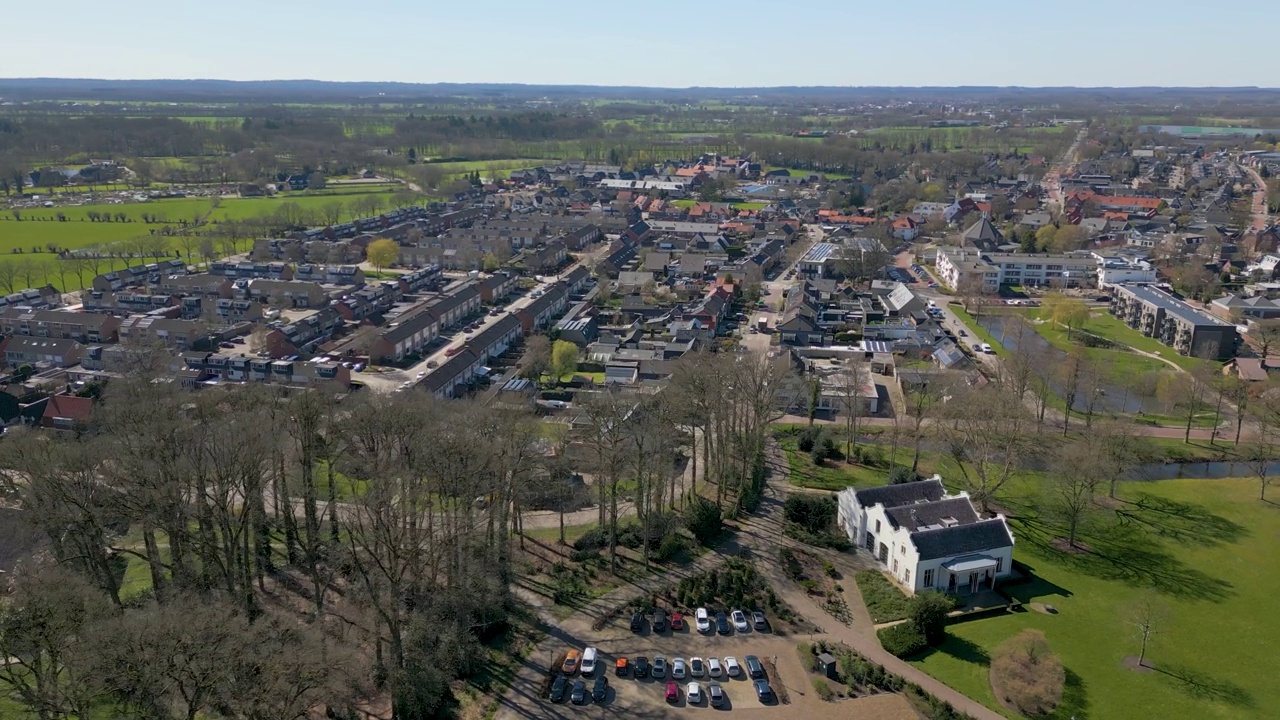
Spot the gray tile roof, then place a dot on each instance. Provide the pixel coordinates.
(901, 494)
(962, 539)
(923, 515)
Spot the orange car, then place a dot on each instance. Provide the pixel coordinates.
(620, 667)
(571, 659)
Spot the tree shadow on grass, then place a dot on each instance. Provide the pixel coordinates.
(1179, 521)
(1129, 554)
(1201, 686)
(1075, 700)
(960, 649)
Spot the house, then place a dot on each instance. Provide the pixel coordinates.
(543, 310)
(1247, 369)
(927, 539)
(19, 350)
(67, 412)
(251, 271)
(288, 293)
(170, 332)
(983, 235)
(330, 274)
(202, 284)
(905, 228)
(496, 287)
(405, 335)
(1158, 314)
(84, 327)
(1257, 307)
(547, 258)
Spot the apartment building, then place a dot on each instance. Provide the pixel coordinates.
(1188, 330)
(85, 327)
(967, 267)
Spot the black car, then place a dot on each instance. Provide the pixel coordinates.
(722, 623)
(600, 688)
(640, 668)
(755, 670)
(637, 622)
(579, 694)
(659, 620)
(763, 691)
(558, 686)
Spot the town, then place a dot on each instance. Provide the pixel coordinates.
(965, 410)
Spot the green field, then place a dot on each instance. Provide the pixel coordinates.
(28, 239)
(686, 204)
(1205, 548)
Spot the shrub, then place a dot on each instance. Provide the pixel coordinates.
(671, 546)
(929, 615)
(579, 556)
(703, 518)
(902, 640)
(884, 600)
(831, 541)
(593, 539)
(813, 513)
(1026, 674)
(823, 689)
(808, 438)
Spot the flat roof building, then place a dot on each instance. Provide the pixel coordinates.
(1188, 330)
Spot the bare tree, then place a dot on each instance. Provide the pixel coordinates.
(1266, 335)
(1147, 617)
(1184, 395)
(986, 431)
(1078, 472)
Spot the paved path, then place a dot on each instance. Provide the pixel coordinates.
(759, 536)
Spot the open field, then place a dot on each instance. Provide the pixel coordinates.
(1203, 547)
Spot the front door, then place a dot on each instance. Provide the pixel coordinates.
(951, 583)
(973, 582)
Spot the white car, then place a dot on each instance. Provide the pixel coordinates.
(713, 667)
(702, 619)
(697, 668)
(731, 666)
(679, 670)
(693, 693)
(986, 348)
(588, 665)
(740, 621)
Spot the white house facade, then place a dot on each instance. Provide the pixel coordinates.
(927, 539)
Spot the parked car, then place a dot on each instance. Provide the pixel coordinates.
(558, 688)
(693, 693)
(571, 659)
(679, 670)
(637, 622)
(579, 694)
(713, 667)
(659, 666)
(986, 348)
(702, 619)
(421, 375)
(432, 364)
(763, 691)
(589, 661)
(641, 667)
(754, 668)
(722, 623)
(600, 688)
(697, 668)
(740, 621)
(673, 692)
(715, 694)
(731, 666)
(677, 622)
(757, 620)
(620, 667)
(659, 620)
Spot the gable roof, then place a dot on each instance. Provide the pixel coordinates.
(923, 515)
(901, 494)
(962, 539)
(70, 407)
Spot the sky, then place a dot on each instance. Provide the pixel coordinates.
(658, 43)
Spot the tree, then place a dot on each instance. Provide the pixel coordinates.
(1265, 334)
(1182, 394)
(331, 212)
(1027, 675)
(703, 519)
(1078, 471)
(382, 253)
(564, 359)
(851, 397)
(1068, 238)
(536, 360)
(1147, 617)
(928, 612)
(1067, 311)
(986, 434)
(1044, 236)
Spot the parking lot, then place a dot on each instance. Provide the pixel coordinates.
(645, 697)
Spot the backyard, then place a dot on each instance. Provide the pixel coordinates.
(1203, 547)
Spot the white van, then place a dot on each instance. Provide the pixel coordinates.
(588, 661)
(987, 348)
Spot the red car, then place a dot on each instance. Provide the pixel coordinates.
(673, 692)
(677, 622)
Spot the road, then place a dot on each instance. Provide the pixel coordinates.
(774, 291)
(1052, 181)
(1261, 219)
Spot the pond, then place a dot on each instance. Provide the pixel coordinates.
(1199, 470)
(1115, 399)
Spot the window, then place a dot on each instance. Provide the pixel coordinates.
(902, 549)
(928, 578)
(999, 564)
(877, 527)
(870, 542)
(895, 566)
(907, 578)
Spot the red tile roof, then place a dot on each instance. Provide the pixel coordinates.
(69, 406)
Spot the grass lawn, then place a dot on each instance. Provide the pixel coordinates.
(1204, 547)
(884, 600)
(835, 474)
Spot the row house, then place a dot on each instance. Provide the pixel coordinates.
(330, 274)
(368, 301)
(125, 303)
(548, 258)
(288, 293)
(496, 287)
(232, 312)
(170, 332)
(203, 284)
(19, 350)
(85, 327)
(582, 237)
(543, 311)
(302, 336)
(44, 298)
(252, 271)
(452, 308)
(405, 335)
(138, 275)
(201, 368)
(577, 281)
(496, 339)
(419, 280)
(453, 374)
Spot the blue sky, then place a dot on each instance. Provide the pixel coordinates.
(654, 43)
